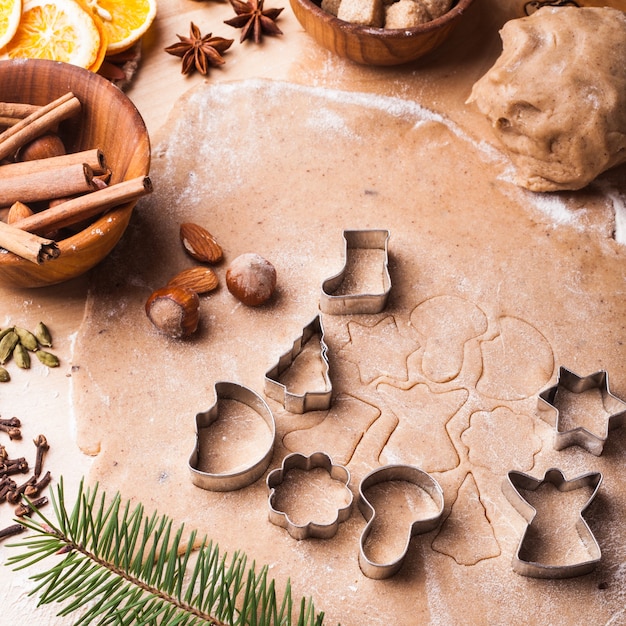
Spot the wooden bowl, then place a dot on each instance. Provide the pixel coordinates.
(109, 121)
(375, 46)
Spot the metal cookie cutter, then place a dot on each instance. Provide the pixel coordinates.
(579, 435)
(307, 463)
(366, 303)
(390, 473)
(310, 400)
(237, 479)
(524, 566)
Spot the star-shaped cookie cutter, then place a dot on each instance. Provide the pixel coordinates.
(581, 436)
(358, 303)
(515, 481)
(308, 463)
(309, 400)
(241, 477)
(395, 473)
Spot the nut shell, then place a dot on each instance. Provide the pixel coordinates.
(200, 244)
(251, 279)
(174, 311)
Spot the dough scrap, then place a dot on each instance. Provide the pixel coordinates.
(556, 96)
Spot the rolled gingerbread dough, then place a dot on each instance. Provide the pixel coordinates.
(556, 96)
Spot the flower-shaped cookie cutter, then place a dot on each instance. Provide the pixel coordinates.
(581, 436)
(396, 473)
(241, 477)
(309, 400)
(355, 303)
(515, 481)
(307, 463)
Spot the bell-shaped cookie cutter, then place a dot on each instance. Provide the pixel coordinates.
(581, 436)
(515, 481)
(231, 481)
(307, 463)
(310, 400)
(390, 473)
(358, 303)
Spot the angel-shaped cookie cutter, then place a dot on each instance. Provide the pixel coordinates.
(592, 442)
(524, 566)
(355, 303)
(307, 463)
(391, 473)
(309, 400)
(242, 477)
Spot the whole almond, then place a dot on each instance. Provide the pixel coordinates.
(199, 279)
(200, 244)
(17, 212)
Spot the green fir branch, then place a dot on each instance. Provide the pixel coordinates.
(118, 566)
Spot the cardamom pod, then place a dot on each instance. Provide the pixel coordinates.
(27, 339)
(7, 343)
(5, 331)
(43, 335)
(21, 356)
(4, 376)
(47, 358)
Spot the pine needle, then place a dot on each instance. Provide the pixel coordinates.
(112, 564)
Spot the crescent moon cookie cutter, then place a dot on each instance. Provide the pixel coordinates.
(523, 563)
(308, 400)
(613, 410)
(396, 474)
(297, 461)
(337, 295)
(246, 473)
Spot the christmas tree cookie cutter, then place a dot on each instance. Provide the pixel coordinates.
(248, 473)
(297, 461)
(579, 435)
(309, 400)
(396, 473)
(334, 303)
(522, 564)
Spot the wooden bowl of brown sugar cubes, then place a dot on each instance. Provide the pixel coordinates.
(74, 160)
(379, 32)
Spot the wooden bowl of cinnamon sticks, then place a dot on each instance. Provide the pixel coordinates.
(74, 160)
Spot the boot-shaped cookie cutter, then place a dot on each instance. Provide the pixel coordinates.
(581, 436)
(310, 400)
(306, 463)
(230, 481)
(391, 473)
(524, 566)
(365, 303)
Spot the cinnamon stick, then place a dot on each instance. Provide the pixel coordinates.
(41, 120)
(26, 245)
(94, 158)
(17, 110)
(58, 182)
(87, 206)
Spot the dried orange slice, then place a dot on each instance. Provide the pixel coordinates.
(125, 21)
(61, 30)
(10, 12)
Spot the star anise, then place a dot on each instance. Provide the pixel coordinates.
(198, 52)
(254, 20)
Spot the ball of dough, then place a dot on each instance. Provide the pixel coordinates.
(556, 97)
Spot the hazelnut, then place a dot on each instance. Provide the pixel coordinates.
(251, 279)
(174, 311)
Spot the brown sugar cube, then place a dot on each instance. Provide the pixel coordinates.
(405, 14)
(362, 12)
(331, 6)
(436, 8)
